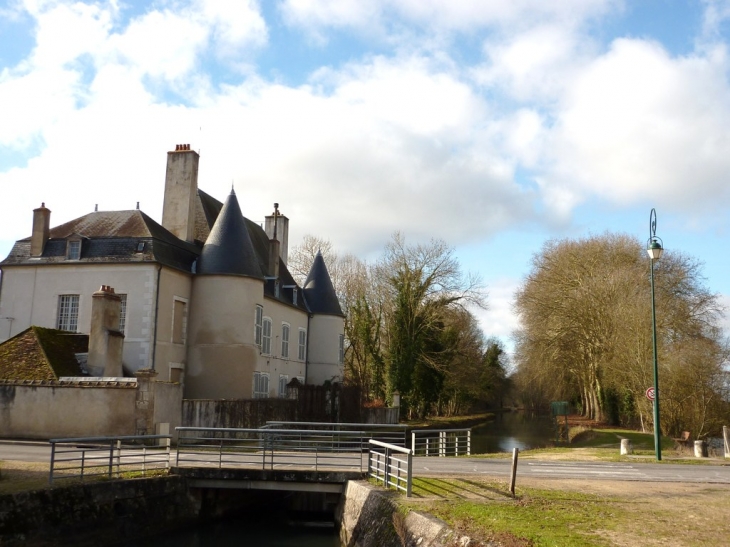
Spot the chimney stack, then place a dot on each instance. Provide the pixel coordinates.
(181, 191)
(277, 227)
(105, 340)
(41, 230)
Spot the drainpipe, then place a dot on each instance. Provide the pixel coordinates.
(306, 352)
(157, 307)
(1, 299)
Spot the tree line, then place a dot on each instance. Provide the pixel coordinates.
(409, 327)
(586, 337)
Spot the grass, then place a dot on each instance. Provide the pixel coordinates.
(486, 510)
(18, 476)
(577, 513)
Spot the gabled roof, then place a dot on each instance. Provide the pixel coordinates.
(319, 291)
(41, 354)
(228, 249)
(110, 236)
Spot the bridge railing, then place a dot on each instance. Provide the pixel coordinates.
(395, 434)
(444, 442)
(86, 457)
(266, 448)
(391, 465)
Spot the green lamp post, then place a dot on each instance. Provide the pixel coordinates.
(655, 249)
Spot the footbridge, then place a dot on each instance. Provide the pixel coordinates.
(285, 456)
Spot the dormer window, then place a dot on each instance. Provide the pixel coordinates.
(73, 249)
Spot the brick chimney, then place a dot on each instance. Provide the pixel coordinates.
(181, 190)
(105, 340)
(41, 230)
(277, 227)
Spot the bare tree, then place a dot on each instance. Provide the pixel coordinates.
(585, 330)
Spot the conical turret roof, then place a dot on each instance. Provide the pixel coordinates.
(228, 249)
(318, 290)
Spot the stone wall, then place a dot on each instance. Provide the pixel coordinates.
(99, 513)
(370, 517)
(87, 408)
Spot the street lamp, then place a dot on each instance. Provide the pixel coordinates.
(655, 249)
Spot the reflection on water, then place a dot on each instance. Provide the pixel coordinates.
(242, 533)
(511, 430)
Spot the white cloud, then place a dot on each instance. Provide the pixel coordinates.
(538, 64)
(716, 13)
(66, 31)
(160, 43)
(639, 124)
(499, 319)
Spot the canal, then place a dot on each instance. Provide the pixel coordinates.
(245, 533)
(508, 430)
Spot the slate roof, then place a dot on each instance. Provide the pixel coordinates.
(258, 264)
(115, 236)
(112, 237)
(318, 290)
(42, 354)
(228, 249)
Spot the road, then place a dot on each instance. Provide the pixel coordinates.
(649, 472)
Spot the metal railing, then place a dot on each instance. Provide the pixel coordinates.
(388, 433)
(267, 448)
(445, 442)
(84, 457)
(392, 465)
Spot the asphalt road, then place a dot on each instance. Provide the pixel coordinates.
(649, 472)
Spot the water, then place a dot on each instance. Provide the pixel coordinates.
(511, 430)
(242, 533)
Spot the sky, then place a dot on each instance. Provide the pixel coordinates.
(493, 125)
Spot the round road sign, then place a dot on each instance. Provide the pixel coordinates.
(650, 393)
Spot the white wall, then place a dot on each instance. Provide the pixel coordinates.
(30, 296)
(324, 349)
(222, 354)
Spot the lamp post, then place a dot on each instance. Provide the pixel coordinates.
(655, 249)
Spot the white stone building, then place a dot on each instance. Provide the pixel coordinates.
(207, 298)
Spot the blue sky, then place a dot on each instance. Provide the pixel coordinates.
(494, 125)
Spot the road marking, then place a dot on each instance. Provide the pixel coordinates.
(614, 470)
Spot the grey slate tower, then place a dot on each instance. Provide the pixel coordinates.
(326, 326)
(318, 290)
(228, 249)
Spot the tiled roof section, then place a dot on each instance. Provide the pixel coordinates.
(40, 354)
(228, 249)
(111, 236)
(207, 209)
(318, 290)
